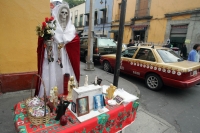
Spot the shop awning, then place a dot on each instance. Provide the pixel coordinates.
(113, 31)
(103, 9)
(139, 27)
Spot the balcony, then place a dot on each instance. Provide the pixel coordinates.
(104, 20)
(86, 23)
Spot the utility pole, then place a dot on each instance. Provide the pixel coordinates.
(104, 19)
(89, 63)
(119, 44)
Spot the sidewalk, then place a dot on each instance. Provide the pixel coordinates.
(144, 123)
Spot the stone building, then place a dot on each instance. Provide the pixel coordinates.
(157, 21)
(102, 17)
(78, 17)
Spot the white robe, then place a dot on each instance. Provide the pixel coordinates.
(52, 73)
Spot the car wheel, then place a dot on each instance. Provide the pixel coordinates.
(153, 82)
(106, 66)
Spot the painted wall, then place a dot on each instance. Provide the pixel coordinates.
(80, 9)
(97, 6)
(18, 36)
(158, 23)
(130, 13)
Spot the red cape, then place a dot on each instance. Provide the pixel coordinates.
(73, 51)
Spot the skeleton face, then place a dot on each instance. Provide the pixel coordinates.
(63, 13)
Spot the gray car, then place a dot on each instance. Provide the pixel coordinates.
(101, 46)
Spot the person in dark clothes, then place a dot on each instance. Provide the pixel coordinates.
(184, 52)
(131, 43)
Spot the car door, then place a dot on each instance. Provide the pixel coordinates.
(143, 62)
(126, 59)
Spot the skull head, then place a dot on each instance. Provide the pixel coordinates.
(64, 13)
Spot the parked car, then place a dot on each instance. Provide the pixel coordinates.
(158, 66)
(101, 46)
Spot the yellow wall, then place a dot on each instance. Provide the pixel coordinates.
(18, 41)
(130, 12)
(160, 7)
(158, 10)
(157, 30)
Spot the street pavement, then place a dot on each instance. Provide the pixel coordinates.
(145, 122)
(178, 107)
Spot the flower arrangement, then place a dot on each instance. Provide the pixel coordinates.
(46, 30)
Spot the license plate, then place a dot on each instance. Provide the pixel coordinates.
(193, 73)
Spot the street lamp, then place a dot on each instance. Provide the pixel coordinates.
(104, 19)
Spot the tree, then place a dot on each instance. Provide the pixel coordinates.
(73, 3)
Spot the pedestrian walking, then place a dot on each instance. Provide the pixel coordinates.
(184, 52)
(131, 43)
(194, 55)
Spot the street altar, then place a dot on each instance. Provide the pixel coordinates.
(116, 119)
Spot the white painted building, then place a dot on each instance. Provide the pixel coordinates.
(77, 17)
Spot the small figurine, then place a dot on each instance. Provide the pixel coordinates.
(86, 80)
(110, 91)
(61, 108)
(95, 80)
(71, 85)
(55, 100)
(52, 95)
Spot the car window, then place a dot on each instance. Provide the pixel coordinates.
(129, 52)
(169, 56)
(145, 54)
(102, 42)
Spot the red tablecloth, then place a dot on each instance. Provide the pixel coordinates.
(115, 120)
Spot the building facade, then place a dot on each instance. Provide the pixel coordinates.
(18, 48)
(130, 8)
(77, 17)
(156, 21)
(102, 17)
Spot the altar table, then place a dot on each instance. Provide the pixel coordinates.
(118, 117)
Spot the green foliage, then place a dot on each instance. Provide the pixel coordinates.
(73, 3)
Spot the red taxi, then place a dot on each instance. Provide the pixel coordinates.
(158, 66)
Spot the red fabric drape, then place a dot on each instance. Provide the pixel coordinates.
(73, 51)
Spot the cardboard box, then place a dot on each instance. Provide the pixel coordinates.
(90, 91)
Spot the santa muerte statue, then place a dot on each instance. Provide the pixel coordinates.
(65, 52)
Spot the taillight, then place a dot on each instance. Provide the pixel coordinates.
(96, 50)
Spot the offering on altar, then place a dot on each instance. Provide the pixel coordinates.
(71, 85)
(46, 31)
(98, 102)
(36, 107)
(55, 99)
(90, 91)
(95, 80)
(118, 99)
(86, 80)
(61, 108)
(110, 91)
(82, 106)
